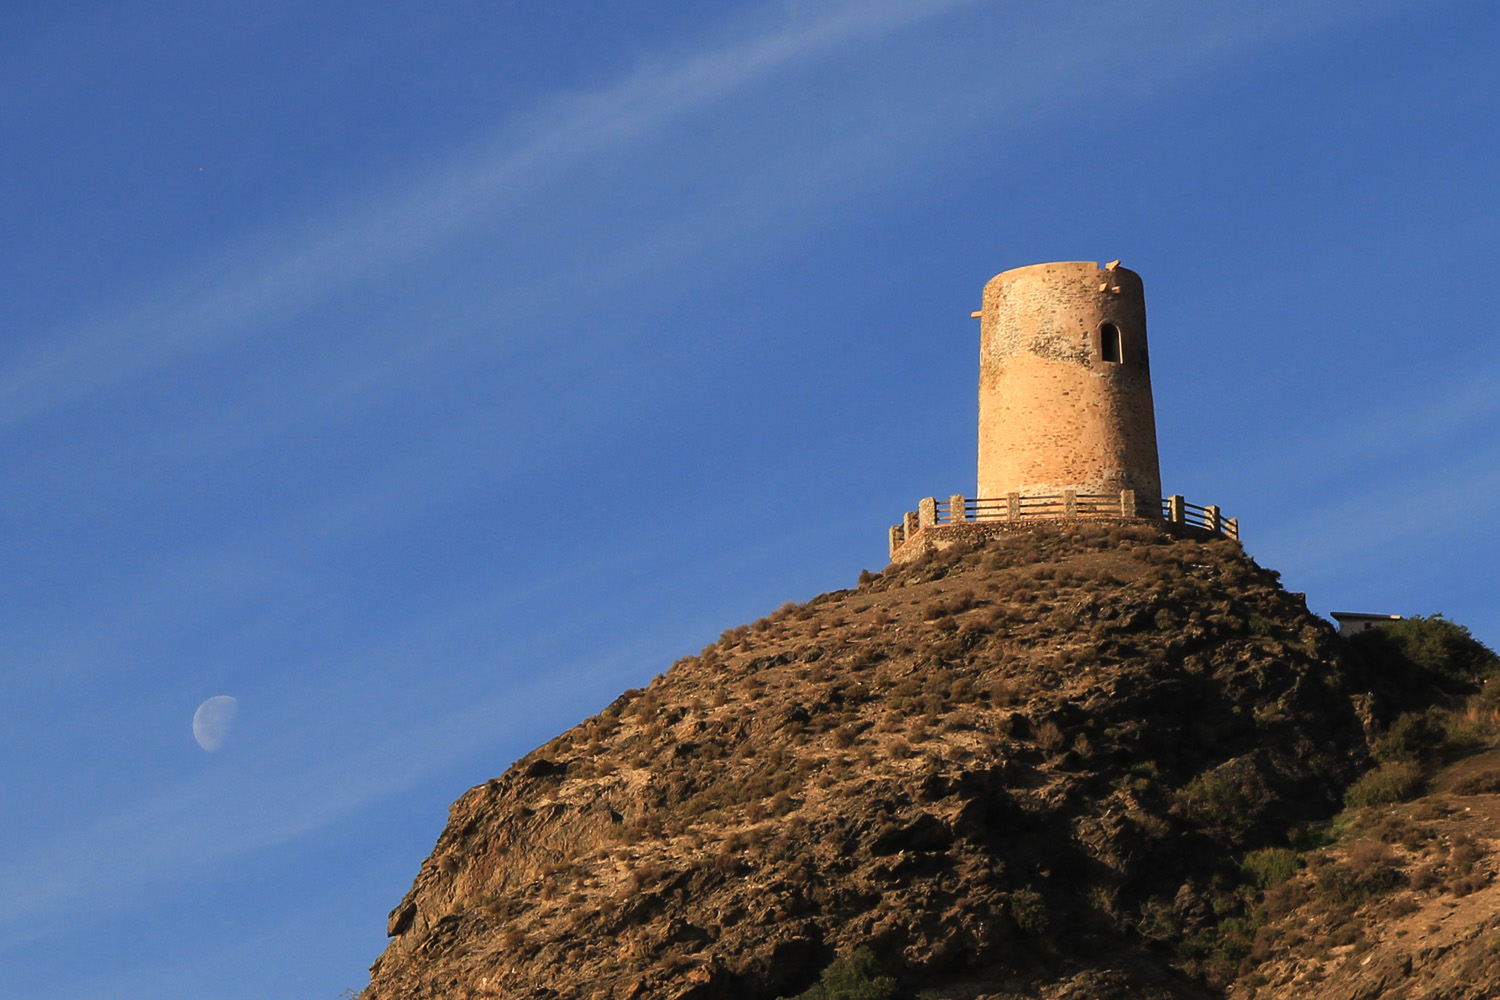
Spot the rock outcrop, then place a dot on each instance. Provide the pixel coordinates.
(1030, 769)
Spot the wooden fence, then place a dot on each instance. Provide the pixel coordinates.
(958, 509)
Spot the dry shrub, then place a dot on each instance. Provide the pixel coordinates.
(1432, 808)
(1050, 736)
(1283, 899)
(961, 720)
(1368, 854)
(1484, 783)
(1399, 907)
(1004, 692)
(1425, 877)
(1342, 885)
(1465, 852)
(1472, 882)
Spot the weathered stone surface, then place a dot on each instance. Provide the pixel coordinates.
(1058, 408)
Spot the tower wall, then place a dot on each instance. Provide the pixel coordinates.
(1057, 411)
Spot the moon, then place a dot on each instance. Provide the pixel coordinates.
(213, 721)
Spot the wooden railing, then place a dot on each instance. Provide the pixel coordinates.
(958, 509)
(1179, 511)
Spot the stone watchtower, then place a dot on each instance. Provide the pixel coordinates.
(1067, 428)
(1065, 384)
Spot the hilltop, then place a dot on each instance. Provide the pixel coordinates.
(1030, 765)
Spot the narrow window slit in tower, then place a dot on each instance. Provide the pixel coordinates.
(1109, 342)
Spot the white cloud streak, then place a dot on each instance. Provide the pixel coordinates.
(279, 273)
(1340, 537)
(284, 272)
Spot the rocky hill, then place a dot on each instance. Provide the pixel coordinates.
(1052, 766)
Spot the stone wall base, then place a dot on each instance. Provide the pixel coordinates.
(935, 537)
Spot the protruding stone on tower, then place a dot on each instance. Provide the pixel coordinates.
(1065, 383)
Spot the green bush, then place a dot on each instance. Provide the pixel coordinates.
(1216, 801)
(852, 978)
(1270, 867)
(1028, 910)
(1396, 781)
(1414, 737)
(1430, 643)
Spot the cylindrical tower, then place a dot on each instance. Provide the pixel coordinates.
(1064, 383)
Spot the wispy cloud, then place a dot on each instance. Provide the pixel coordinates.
(1402, 434)
(280, 272)
(1339, 535)
(276, 273)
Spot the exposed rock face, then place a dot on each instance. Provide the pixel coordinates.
(1023, 770)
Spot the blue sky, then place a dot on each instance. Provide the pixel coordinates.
(424, 375)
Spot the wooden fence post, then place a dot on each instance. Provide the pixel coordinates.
(1211, 519)
(1232, 527)
(1176, 511)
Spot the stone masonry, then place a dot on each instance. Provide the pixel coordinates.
(1065, 383)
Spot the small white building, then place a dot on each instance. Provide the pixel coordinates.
(1355, 622)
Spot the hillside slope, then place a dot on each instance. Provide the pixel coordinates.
(1027, 769)
(1404, 906)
